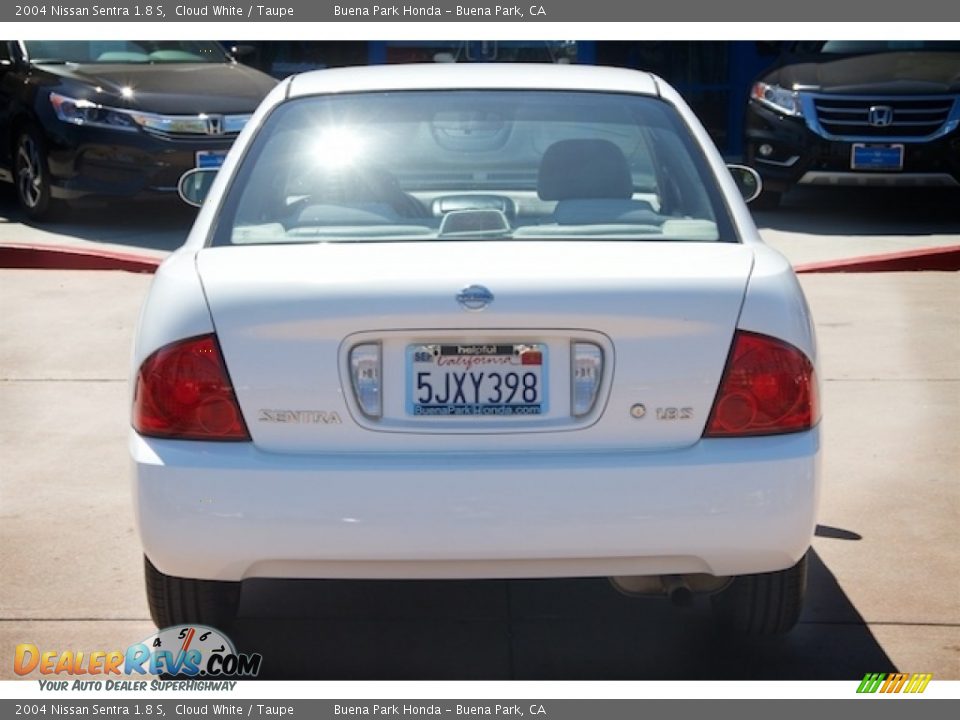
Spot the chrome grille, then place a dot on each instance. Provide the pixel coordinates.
(190, 136)
(882, 117)
(204, 126)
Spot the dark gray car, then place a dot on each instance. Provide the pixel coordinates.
(116, 117)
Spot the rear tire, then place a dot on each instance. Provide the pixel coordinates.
(762, 604)
(31, 177)
(182, 601)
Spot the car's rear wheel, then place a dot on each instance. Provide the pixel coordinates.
(762, 604)
(179, 601)
(32, 177)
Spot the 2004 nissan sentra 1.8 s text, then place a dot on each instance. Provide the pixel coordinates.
(497, 321)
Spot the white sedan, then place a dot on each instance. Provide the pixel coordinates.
(484, 321)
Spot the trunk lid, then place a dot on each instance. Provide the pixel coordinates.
(663, 313)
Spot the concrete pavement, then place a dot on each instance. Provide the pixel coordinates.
(885, 576)
(151, 229)
(817, 225)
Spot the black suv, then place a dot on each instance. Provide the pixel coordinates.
(116, 117)
(857, 113)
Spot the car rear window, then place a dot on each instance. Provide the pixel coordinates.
(449, 165)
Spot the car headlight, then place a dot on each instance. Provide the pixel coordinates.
(85, 112)
(780, 99)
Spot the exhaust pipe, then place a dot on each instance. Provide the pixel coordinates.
(680, 589)
(677, 589)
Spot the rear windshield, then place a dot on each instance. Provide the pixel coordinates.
(124, 51)
(473, 164)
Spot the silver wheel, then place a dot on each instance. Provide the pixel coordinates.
(29, 172)
(32, 177)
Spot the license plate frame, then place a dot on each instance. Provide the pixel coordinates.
(209, 159)
(467, 371)
(877, 156)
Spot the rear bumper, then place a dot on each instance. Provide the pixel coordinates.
(229, 511)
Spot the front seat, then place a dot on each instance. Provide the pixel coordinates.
(591, 182)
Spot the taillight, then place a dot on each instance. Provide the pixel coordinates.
(183, 392)
(768, 387)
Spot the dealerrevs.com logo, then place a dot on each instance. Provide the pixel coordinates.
(184, 651)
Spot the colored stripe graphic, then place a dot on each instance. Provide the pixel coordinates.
(894, 682)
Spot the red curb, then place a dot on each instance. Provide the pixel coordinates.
(939, 258)
(61, 257)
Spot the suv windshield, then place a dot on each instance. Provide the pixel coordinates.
(473, 164)
(124, 51)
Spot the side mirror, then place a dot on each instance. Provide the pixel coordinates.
(195, 184)
(747, 180)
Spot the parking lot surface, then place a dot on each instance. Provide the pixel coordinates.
(884, 590)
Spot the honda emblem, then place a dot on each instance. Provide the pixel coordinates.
(214, 124)
(880, 115)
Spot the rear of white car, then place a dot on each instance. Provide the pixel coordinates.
(535, 336)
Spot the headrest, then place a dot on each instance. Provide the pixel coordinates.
(584, 169)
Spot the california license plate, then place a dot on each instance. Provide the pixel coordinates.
(868, 156)
(482, 379)
(210, 158)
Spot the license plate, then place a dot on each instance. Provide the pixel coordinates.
(866, 156)
(482, 379)
(210, 158)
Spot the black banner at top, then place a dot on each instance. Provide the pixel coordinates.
(524, 11)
